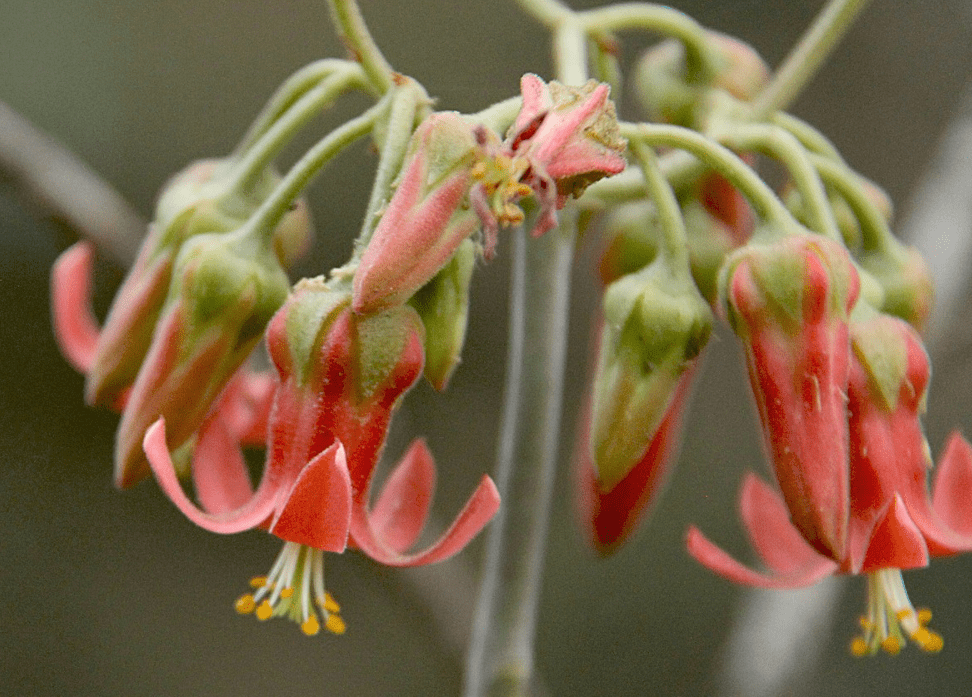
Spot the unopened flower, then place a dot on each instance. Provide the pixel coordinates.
(427, 218)
(788, 300)
(610, 517)
(227, 287)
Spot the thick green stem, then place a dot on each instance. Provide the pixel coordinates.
(287, 124)
(721, 159)
(270, 212)
(351, 25)
(500, 660)
(784, 146)
(293, 88)
(807, 56)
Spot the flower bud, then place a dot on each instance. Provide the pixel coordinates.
(906, 281)
(788, 300)
(188, 206)
(226, 289)
(427, 218)
(609, 517)
(443, 305)
(668, 96)
(652, 334)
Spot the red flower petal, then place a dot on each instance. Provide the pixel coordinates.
(479, 509)
(711, 556)
(952, 492)
(317, 511)
(896, 542)
(403, 505)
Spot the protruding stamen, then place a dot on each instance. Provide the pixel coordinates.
(891, 617)
(294, 588)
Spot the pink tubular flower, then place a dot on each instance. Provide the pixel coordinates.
(788, 301)
(341, 376)
(892, 525)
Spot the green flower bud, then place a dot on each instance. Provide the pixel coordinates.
(653, 333)
(443, 305)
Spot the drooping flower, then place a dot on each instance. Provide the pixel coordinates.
(788, 300)
(341, 376)
(893, 524)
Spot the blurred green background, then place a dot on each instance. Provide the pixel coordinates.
(107, 593)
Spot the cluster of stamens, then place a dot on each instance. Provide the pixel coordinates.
(294, 588)
(500, 178)
(891, 616)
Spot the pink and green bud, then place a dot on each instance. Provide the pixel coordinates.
(427, 218)
(443, 305)
(653, 332)
(667, 93)
(188, 206)
(906, 280)
(228, 287)
(789, 300)
(610, 517)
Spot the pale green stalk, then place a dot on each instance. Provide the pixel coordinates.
(783, 146)
(875, 231)
(721, 159)
(500, 659)
(700, 59)
(261, 153)
(293, 88)
(355, 35)
(674, 243)
(272, 210)
(812, 139)
(807, 56)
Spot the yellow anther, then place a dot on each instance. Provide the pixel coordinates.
(265, 611)
(891, 645)
(258, 581)
(924, 616)
(859, 647)
(865, 623)
(286, 592)
(479, 170)
(904, 614)
(311, 626)
(329, 603)
(245, 604)
(928, 640)
(335, 625)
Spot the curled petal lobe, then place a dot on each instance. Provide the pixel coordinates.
(776, 541)
(75, 327)
(711, 556)
(403, 505)
(478, 511)
(953, 484)
(252, 514)
(219, 474)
